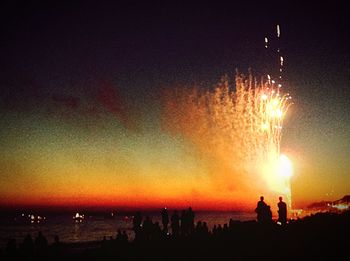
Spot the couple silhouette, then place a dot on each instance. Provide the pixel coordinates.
(264, 214)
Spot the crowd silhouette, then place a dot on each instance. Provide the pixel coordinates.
(30, 247)
(179, 234)
(180, 225)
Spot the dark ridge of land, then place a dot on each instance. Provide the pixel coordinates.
(327, 204)
(322, 236)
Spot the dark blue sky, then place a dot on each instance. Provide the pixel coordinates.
(146, 45)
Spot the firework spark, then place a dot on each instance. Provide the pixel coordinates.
(278, 31)
(266, 42)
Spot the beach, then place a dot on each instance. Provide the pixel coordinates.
(319, 236)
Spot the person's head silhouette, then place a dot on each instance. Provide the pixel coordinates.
(261, 198)
(280, 198)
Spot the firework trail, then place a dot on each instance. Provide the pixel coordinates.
(273, 43)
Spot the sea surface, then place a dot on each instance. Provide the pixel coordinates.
(94, 226)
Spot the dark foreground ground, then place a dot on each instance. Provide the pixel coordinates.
(324, 236)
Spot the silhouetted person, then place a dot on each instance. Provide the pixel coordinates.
(41, 243)
(264, 214)
(205, 228)
(147, 228)
(124, 238)
(137, 221)
(165, 219)
(231, 224)
(119, 237)
(190, 217)
(57, 247)
(215, 230)
(156, 232)
(199, 228)
(184, 223)
(219, 229)
(27, 245)
(57, 240)
(261, 210)
(225, 228)
(175, 223)
(282, 211)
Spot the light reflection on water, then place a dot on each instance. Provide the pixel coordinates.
(94, 227)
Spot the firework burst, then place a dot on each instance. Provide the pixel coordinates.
(239, 127)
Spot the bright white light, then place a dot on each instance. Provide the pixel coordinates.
(285, 168)
(279, 113)
(264, 126)
(341, 206)
(277, 174)
(275, 102)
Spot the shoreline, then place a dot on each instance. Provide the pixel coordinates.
(302, 236)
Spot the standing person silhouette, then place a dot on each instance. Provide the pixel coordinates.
(175, 223)
(137, 221)
(190, 220)
(282, 211)
(165, 219)
(261, 210)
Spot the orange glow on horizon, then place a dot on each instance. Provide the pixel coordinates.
(127, 202)
(179, 159)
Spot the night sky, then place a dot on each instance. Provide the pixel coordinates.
(82, 83)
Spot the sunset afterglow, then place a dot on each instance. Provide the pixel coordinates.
(145, 106)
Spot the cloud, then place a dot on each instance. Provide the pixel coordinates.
(115, 103)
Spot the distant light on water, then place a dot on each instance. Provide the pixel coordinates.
(341, 206)
(78, 217)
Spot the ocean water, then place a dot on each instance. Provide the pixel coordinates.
(94, 227)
